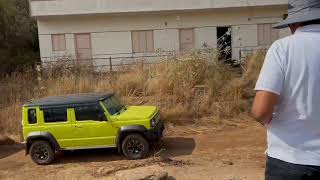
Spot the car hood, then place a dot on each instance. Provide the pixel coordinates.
(137, 113)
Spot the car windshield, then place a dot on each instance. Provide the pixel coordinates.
(113, 105)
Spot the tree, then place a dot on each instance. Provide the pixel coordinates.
(18, 36)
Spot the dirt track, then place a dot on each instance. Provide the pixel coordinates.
(235, 153)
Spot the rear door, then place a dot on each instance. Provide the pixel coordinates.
(57, 122)
(90, 130)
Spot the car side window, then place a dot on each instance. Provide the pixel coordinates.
(88, 113)
(53, 115)
(32, 116)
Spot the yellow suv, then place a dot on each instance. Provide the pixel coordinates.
(87, 121)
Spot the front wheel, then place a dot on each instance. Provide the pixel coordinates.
(135, 146)
(41, 152)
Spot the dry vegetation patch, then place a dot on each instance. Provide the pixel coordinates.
(185, 88)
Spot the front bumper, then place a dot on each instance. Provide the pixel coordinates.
(155, 133)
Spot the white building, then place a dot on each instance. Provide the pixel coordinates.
(100, 29)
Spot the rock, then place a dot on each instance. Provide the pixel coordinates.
(5, 140)
(230, 163)
(155, 172)
(100, 170)
(103, 171)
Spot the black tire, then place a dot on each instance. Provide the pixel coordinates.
(42, 153)
(135, 146)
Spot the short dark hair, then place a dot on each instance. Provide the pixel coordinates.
(311, 22)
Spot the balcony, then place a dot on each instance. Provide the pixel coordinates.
(85, 7)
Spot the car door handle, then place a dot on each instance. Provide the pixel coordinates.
(78, 127)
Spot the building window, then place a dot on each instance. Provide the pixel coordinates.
(58, 42)
(32, 116)
(54, 115)
(266, 34)
(186, 39)
(142, 41)
(88, 113)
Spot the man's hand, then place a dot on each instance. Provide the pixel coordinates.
(263, 106)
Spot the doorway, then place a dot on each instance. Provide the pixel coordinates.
(83, 49)
(224, 43)
(186, 39)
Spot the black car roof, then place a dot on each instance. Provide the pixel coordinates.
(69, 100)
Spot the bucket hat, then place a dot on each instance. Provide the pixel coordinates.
(300, 11)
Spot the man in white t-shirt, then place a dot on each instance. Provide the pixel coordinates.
(287, 98)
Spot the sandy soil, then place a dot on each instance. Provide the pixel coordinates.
(234, 153)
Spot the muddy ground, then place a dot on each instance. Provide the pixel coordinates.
(234, 152)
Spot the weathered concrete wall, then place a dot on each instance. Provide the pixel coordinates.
(72, 7)
(111, 34)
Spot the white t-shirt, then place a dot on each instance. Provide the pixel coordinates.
(292, 70)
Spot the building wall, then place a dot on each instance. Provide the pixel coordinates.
(166, 40)
(205, 36)
(284, 32)
(111, 42)
(71, 7)
(111, 35)
(244, 36)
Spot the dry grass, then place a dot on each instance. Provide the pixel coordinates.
(251, 73)
(185, 88)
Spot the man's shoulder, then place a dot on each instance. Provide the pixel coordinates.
(281, 45)
(284, 41)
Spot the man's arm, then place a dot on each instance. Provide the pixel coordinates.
(263, 106)
(270, 84)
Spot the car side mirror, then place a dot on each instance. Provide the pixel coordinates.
(102, 117)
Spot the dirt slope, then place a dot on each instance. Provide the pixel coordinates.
(235, 153)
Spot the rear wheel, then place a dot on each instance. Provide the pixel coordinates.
(41, 152)
(135, 146)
